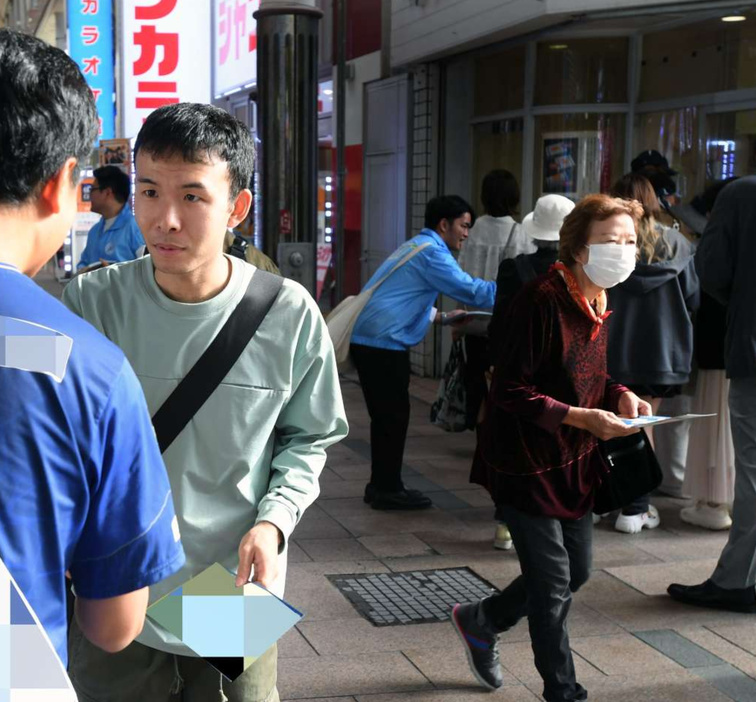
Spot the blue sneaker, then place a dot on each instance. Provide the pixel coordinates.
(481, 645)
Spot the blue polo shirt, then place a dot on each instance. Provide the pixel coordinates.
(82, 483)
(120, 243)
(398, 314)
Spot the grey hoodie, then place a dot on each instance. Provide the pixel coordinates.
(651, 326)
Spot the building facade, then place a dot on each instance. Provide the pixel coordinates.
(565, 93)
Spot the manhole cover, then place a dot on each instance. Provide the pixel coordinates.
(417, 597)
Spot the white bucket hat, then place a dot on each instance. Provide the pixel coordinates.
(545, 221)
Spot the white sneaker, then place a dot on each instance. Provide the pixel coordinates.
(636, 523)
(702, 514)
(598, 517)
(503, 539)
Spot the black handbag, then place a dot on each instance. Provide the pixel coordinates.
(634, 471)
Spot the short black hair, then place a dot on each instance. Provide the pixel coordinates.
(448, 207)
(199, 133)
(47, 115)
(114, 178)
(500, 193)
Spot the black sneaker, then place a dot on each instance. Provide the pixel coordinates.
(707, 594)
(481, 645)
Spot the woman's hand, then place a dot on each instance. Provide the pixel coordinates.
(602, 424)
(630, 405)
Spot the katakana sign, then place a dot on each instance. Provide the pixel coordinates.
(166, 56)
(235, 60)
(90, 41)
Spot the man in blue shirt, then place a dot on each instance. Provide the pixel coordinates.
(83, 486)
(396, 318)
(116, 237)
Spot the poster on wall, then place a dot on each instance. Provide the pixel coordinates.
(166, 56)
(571, 163)
(116, 152)
(560, 165)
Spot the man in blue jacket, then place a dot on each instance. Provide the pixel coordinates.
(396, 318)
(116, 237)
(84, 488)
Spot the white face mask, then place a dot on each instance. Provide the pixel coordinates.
(609, 264)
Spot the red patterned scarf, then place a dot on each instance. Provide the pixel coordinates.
(597, 315)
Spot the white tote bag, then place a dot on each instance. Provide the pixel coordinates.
(344, 316)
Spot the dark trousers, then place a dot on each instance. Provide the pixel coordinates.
(476, 364)
(384, 377)
(555, 558)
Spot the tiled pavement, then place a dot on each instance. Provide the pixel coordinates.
(630, 641)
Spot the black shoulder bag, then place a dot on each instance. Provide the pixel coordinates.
(634, 471)
(218, 359)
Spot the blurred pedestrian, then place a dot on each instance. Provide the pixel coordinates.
(397, 317)
(725, 260)
(85, 493)
(494, 237)
(542, 226)
(116, 237)
(655, 167)
(710, 472)
(651, 350)
(551, 398)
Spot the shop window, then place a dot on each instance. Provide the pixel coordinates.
(705, 57)
(674, 134)
(581, 71)
(496, 145)
(730, 145)
(500, 82)
(578, 154)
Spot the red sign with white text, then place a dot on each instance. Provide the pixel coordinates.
(166, 56)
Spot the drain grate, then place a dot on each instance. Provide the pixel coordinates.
(416, 597)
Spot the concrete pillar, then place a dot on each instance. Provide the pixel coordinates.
(287, 84)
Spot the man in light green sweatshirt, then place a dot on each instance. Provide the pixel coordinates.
(246, 466)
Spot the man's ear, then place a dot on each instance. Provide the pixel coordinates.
(240, 208)
(443, 226)
(58, 189)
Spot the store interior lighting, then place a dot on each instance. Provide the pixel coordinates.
(734, 18)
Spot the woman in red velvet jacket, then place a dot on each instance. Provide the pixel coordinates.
(550, 400)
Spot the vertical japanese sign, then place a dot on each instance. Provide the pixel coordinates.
(90, 40)
(166, 56)
(235, 60)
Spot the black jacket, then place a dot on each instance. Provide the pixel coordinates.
(726, 265)
(513, 273)
(651, 326)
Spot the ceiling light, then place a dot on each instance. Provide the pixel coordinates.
(557, 47)
(734, 18)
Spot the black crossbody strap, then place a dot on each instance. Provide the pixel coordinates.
(218, 359)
